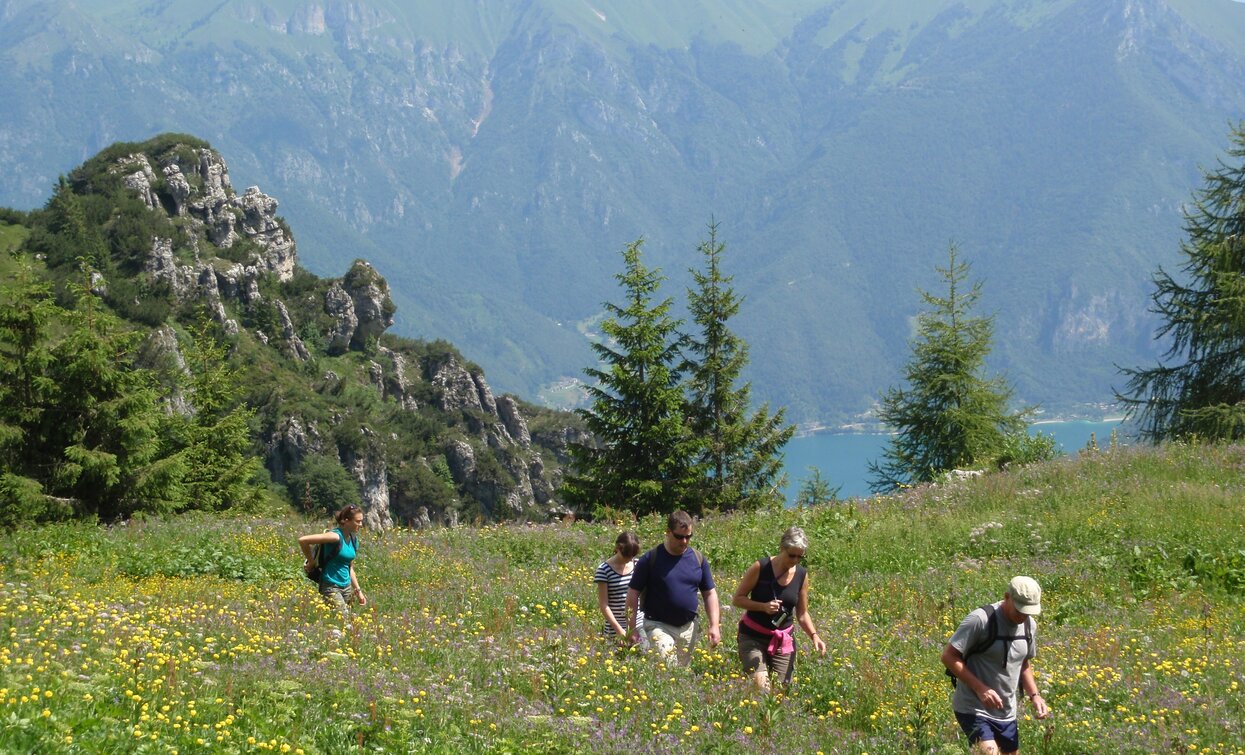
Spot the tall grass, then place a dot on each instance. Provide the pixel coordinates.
(199, 635)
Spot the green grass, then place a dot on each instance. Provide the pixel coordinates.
(199, 635)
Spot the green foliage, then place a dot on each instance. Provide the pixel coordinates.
(1197, 389)
(99, 420)
(949, 416)
(641, 459)
(815, 490)
(214, 443)
(739, 458)
(1019, 447)
(327, 484)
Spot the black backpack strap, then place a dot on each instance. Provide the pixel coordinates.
(992, 631)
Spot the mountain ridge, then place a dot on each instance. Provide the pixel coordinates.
(840, 150)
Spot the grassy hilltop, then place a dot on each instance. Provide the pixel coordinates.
(199, 635)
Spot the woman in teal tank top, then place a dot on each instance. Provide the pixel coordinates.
(338, 583)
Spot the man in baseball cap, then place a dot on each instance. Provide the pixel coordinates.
(988, 659)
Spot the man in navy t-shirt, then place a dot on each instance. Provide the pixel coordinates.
(673, 578)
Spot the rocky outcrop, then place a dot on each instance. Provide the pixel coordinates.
(373, 308)
(221, 260)
(397, 384)
(289, 444)
(512, 419)
(294, 346)
(458, 389)
(372, 476)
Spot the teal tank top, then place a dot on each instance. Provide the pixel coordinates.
(337, 570)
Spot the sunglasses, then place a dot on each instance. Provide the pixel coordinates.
(677, 536)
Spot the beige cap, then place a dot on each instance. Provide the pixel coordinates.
(1026, 595)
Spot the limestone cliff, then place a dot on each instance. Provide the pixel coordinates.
(415, 426)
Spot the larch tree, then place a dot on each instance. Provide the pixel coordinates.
(1198, 388)
(950, 415)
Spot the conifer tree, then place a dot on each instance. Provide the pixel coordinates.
(1198, 389)
(102, 433)
(25, 391)
(641, 459)
(215, 440)
(740, 455)
(950, 415)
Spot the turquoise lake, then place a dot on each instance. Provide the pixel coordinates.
(843, 458)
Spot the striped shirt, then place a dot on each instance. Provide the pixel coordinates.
(617, 585)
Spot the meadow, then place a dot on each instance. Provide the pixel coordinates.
(200, 635)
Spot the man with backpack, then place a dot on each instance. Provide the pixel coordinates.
(988, 660)
(671, 579)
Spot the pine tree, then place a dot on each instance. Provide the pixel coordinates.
(1198, 389)
(949, 416)
(741, 450)
(641, 459)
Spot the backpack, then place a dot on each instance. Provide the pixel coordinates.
(323, 553)
(992, 636)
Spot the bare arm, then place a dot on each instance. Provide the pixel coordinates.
(354, 582)
(713, 609)
(1029, 684)
(633, 607)
(306, 541)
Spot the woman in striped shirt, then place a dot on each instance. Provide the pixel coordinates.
(613, 577)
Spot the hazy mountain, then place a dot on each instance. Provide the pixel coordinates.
(491, 158)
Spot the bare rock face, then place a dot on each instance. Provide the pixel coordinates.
(397, 382)
(512, 418)
(294, 346)
(457, 387)
(339, 306)
(462, 460)
(373, 307)
(373, 478)
(142, 181)
(197, 186)
(259, 223)
(162, 354)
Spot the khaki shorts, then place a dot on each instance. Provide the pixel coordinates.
(672, 641)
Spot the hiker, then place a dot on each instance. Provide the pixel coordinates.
(337, 580)
(774, 595)
(988, 658)
(669, 578)
(612, 578)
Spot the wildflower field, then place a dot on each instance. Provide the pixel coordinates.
(201, 635)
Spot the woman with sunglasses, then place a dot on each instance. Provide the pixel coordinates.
(337, 580)
(774, 594)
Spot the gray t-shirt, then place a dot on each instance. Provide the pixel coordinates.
(988, 664)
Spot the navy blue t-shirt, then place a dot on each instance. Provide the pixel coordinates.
(671, 584)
